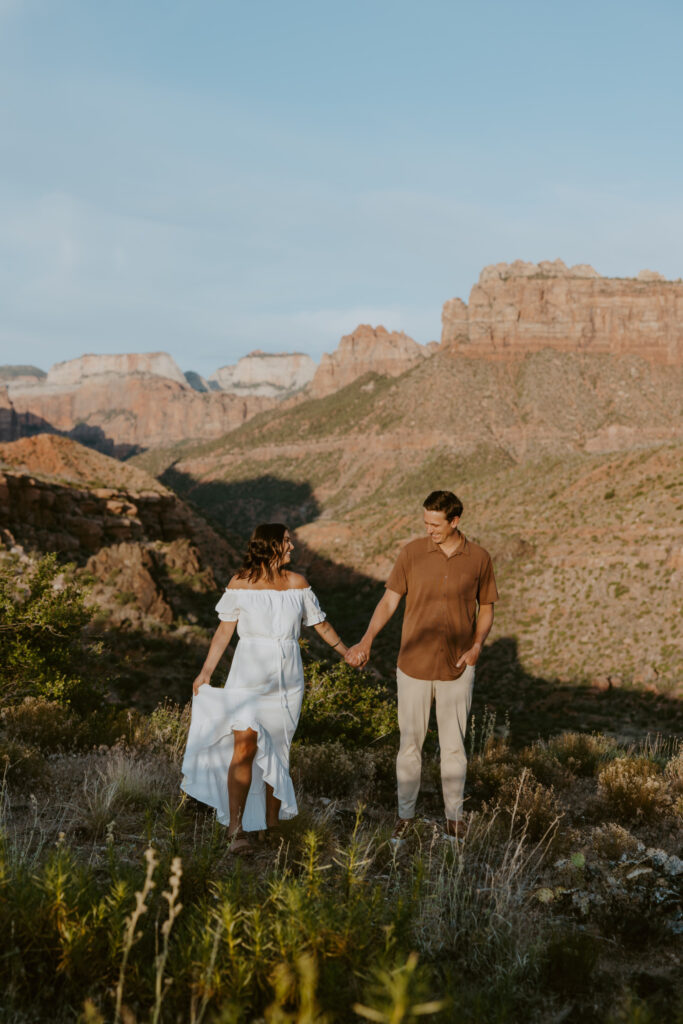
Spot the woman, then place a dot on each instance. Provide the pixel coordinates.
(245, 730)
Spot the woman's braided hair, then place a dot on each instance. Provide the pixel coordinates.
(264, 552)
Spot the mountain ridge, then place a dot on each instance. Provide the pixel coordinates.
(122, 404)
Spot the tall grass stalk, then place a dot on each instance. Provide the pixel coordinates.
(197, 1016)
(131, 934)
(174, 908)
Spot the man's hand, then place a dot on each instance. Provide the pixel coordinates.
(204, 678)
(470, 657)
(358, 655)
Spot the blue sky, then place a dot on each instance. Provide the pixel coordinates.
(209, 177)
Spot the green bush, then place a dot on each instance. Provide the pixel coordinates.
(343, 704)
(42, 649)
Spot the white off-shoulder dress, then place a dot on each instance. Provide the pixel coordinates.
(263, 692)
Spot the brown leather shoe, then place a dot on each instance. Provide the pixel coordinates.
(454, 831)
(401, 831)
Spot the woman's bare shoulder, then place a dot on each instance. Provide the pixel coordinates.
(296, 581)
(234, 583)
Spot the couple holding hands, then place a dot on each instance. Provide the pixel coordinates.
(245, 729)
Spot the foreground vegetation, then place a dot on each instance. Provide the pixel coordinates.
(119, 900)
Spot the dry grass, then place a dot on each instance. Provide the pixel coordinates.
(632, 788)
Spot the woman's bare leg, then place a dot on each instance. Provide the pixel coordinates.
(239, 775)
(272, 808)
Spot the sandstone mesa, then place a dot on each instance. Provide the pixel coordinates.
(516, 308)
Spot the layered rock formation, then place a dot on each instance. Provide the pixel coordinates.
(120, 414)
(25, 374)
(366, 349)
(75, 371)
(520, 307)
(274, 375)
(139, 539)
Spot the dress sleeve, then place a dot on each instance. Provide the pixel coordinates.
(313, 613)
(228, 608)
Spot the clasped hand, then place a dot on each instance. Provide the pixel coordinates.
(357, 656)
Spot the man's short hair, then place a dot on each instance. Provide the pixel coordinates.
(444, 501)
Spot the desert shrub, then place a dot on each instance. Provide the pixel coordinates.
(43, 652)
(51, 726)
(487, 773)
(331, 770)
(42, 723)
(343, 704)
(582, 753)
(544, 765)
(164, 729)
(526, 804)
(633, 787)
(674, 773)
(612, 841)
(21, 764)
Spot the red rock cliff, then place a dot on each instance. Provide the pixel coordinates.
(119, 414)
(367, 349)
(522, 307)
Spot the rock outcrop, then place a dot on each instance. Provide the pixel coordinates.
(148, 550)
(23, 374)
(366, 349)
(9, 423)
(75, 371)
(121, 414)
(274, 375)
(519, 307)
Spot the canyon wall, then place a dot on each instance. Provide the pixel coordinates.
(366, 349)
(274, 375)
(120, 414)
(151, 555)
(516, 308)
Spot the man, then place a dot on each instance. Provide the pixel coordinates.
(444, 577)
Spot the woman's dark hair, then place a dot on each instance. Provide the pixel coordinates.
(263, 553)
(443, 501)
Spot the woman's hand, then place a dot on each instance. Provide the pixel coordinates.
(202, 678)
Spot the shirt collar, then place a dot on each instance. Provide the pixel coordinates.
(464, 548)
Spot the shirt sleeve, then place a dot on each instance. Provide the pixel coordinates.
(398, 579)
(487, 592)
(313, 613)
(228, 608)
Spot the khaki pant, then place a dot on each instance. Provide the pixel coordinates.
(453, 701)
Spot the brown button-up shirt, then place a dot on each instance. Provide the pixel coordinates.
(442, 593)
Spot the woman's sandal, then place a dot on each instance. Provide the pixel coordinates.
(274, 835)
(240, 844)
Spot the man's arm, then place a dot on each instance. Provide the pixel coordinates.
(359, 654)
(484, 623)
